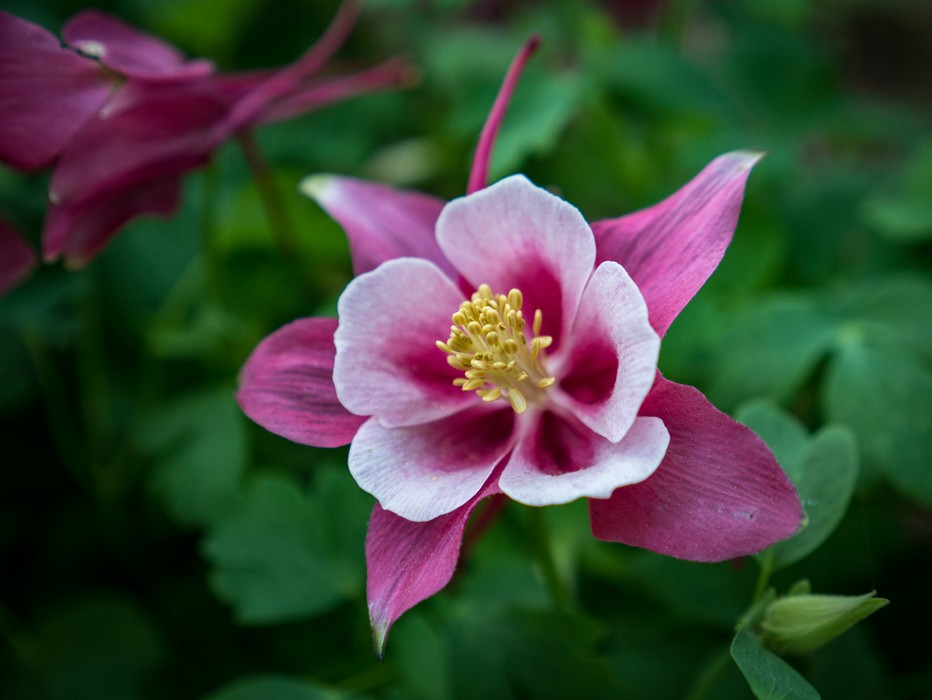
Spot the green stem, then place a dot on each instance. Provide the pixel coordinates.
(282, 230)
(766, 569)
(710, 676)
(540, 535)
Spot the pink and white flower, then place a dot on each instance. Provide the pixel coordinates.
(500, 344)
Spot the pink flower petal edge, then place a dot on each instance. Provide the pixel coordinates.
(425, 471)
(381, 222)
(128, 51)
(718, 494)
(612, 354)
(671, 248)
(561, 462)
(17, 259)
(286, 386)
(514, 234)
(387, 363)
(48, 93)
(407, 562)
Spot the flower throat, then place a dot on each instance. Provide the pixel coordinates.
(487, 341)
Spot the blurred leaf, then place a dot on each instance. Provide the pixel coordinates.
(903, 210)
(99, 648)
(891, 312)
(199, 449)
(275, 688)
(825, 486)
(769, 676)
(771, 349)
(540, 654)
(884, 398)
(823, 468)
(283, 556)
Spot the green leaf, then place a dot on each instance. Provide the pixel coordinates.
(274, 688)
(277, 559)
(903, 210)
(826, 484)
(884, 398)
(769, 676)
(199, 448)
(98, 648)
(824, 470)
(772, 349)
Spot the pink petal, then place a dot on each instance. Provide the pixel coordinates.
(388, 364)
(79, 232)
(671, 248)
(408, 562)
(17, 259)
(128, 51)
(283, 82)
(309, 96)
(381, 222)
(514, 234)
(561, 460)
(148, 132)
(718, 494)
(286, 386)
(46, 93)
(479, 175)
(611, 358)
(425, 471)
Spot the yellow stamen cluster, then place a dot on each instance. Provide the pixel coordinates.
(487, 341)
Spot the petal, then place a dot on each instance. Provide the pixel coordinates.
(146, 132)
(407, 562)
(561, 460)
(611, 360)
(286, 386)
(425, 471)
(17, 259)
(718, 494)
(382, 223)
(514, 234)
(479, 174)
(126, 50)
(671, 248)
(311, 95)
(388, 364)
(48, 93)
(81, 231)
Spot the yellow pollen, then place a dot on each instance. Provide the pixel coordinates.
(488, 344)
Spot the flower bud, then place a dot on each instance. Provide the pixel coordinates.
(802, 622)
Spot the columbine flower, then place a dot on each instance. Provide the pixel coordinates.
(123, 155)
(499, 344)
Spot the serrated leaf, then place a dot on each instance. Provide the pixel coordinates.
(274, 560)
(771, 350)
(199, 449)
(884, 398)
(769, 676)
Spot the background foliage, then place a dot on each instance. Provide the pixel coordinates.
(155, 543)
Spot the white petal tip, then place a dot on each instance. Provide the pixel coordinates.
(316, 186)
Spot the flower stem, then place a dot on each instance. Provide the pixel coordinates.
(279, 221)
(710, 676)
(766, 569)
(675, 19)
(556, 584)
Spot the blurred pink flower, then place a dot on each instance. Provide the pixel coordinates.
(556, 325)
(17, 259)
(122, 155)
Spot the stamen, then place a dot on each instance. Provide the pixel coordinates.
(488, 344)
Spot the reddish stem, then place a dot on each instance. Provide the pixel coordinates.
(478, 176)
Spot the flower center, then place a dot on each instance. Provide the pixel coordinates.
(487, 341)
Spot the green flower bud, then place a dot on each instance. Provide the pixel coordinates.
(802, 622)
